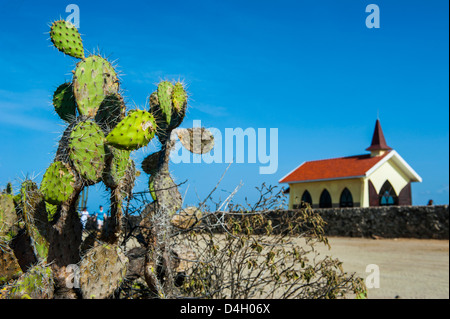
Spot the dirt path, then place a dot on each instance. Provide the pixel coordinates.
(408, 268)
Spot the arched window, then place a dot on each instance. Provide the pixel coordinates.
(306, 197)
(387, 195)
(325, 199)
(346, 198)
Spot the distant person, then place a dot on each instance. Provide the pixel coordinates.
(100, 223)
(102, 215)
(84, 217)
(430, 202)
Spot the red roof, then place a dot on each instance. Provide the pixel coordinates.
(342, 167)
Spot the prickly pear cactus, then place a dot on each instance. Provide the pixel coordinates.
(33, 211)
(64, 102)
(65, 38)
(164, 92)
(8, 216)
(58, 183)
(179, 98)
(87, 150)
(168, 105)
(36, 283)
(197, 140)
(9, 265)
(96, 147)
(102, 270)
(151, 162)
(93, 80)
(134, 131)
(117, 167)
(111, 112)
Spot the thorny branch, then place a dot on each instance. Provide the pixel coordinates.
(256, 250)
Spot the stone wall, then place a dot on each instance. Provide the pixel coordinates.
(388, 221)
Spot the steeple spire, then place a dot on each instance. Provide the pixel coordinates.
(378, 146)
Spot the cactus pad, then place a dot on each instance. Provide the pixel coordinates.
(36, 283)
(117, 167)
(165, 90)
(151, 187)
(8, 216)
(166, 191)
(28, 198)
(65, 38)
(87, 151)
(111, 111)
(93, 80)
(168, 104)
(187, 218)
(197, 140)
(9, 266)
(64, 102)
(179, 97)
(134, 131)
(102, 270)
(51, 211)
(35, 216)
(151, 162)
(58, 183)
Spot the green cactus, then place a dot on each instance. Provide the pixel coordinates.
(95, 146)
(58, 183)
(102, 270)
(36, 283)
(168, 105)
(64, 102)
(93, 80)
(151, 187)
(179, 98)
(65, 38)
(151, 162)
(9, 265)
(111, 112)
(34, 213)
(8, 216)
(136, 130)
(87, 150)
(9, 189)
(165, 90)
(117, 167)
(51, 211)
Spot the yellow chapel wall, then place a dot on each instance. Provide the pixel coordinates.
(387, 171)
(334, 187)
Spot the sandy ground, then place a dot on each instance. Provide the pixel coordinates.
(408, 268)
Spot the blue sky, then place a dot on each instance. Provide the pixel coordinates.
(312, 69)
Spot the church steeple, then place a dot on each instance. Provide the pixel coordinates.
(378, 146)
